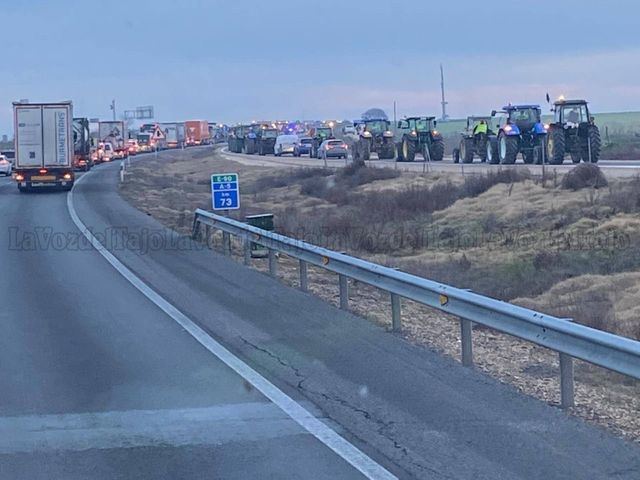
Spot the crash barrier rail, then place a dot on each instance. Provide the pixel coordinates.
(570, 340)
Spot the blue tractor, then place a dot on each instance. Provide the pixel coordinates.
(523, 132)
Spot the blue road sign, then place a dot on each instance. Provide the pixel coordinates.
(225, 191)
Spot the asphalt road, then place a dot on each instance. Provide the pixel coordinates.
(616, 168)
(99, 382)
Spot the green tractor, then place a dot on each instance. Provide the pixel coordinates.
(475, 141)
(319, 135)
(236, 139)
(267, 140)
(419, 135)
(573, 132)
(375, 137)
(251, 133)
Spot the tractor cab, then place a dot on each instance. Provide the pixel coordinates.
(474, 121)
(571, 112)
(524, 117)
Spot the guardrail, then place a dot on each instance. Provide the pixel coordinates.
(570, 340)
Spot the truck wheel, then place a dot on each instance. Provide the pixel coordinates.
(437, 149)
(507, 149)
(408, 150)
(593, 136)
(456, 155)
(492, 151)
(399, 150)
(556, 145)
(466, 150)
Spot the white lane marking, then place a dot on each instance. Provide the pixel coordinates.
(217, 425)
(350, 453)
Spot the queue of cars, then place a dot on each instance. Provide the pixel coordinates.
(298, 146)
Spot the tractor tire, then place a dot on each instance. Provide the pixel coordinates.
(575, 157)
(437, 150)
(456, 155)
(399, 150)
(366, 150)
(492, 151)
(482, 150)
(507, 149)
(593, 136)
(466, 150)
(529, 157)
(408, 150)
(556, 145)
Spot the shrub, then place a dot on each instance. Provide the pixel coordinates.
(585, 175)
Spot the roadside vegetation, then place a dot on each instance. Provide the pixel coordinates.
(568, 245)
(505, 233)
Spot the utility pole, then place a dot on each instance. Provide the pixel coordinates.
(444, 102)
(395, 120)
(113, 107)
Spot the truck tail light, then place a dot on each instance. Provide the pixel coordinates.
(42, 171)
(67, 176)
(19, 177)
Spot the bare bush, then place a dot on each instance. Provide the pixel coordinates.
(585, 175)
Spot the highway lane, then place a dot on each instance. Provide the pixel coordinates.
(97, 382)
(414, 412)
(616, 168)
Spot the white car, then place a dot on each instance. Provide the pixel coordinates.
(6, 166)
(286, 144)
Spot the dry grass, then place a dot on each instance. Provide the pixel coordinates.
(511, 237)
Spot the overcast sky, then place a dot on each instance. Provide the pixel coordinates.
(231, 61)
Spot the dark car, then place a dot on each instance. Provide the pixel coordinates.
(304, 146)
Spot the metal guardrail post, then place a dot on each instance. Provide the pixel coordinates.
(196, 228)
(344, 291)
(396, 313)
(567, 399)
(273, 263)
(226, 243)
(247, 252)
(466, 340)
(207, 235)
(303, 276)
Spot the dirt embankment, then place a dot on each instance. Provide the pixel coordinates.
(573, 253)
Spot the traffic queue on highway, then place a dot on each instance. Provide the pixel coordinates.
(498, 138)
(51, 144)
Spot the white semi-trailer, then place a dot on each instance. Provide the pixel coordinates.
(113, 132)
(44, 145)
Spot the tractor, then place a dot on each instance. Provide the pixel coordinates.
(319, 135)
(574, 132)
(251, 138)
(523, 133)
(375, 136)
(418, 135)
(267, 140)
(476, 143)
(236, 139)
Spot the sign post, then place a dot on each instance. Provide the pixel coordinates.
(225, 191)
